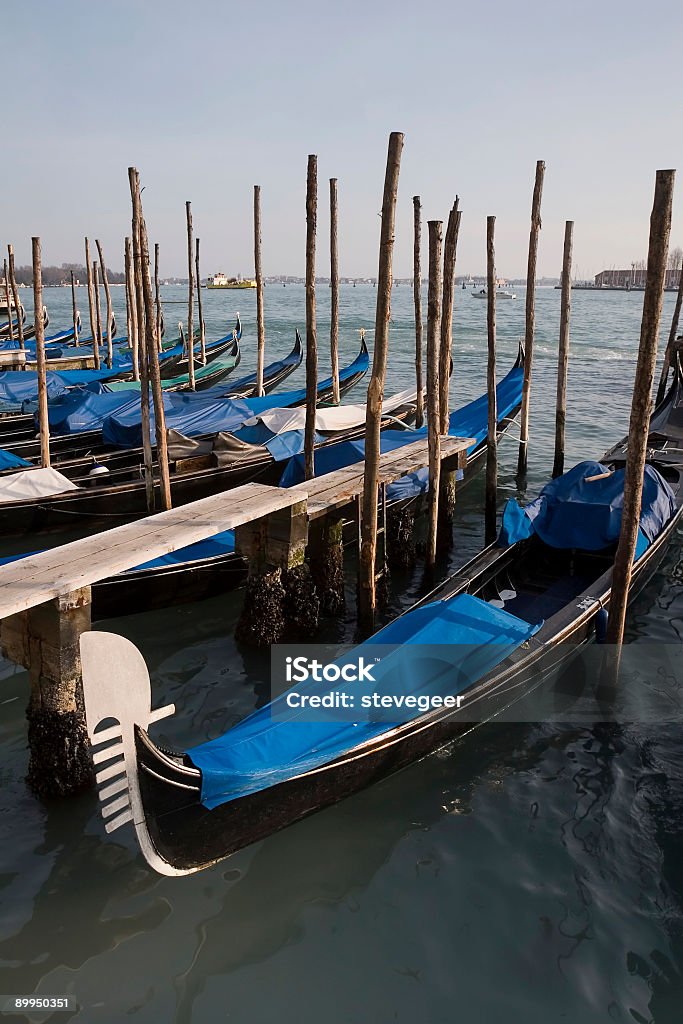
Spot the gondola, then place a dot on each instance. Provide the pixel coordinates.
(120, 493)
(213, 566)
(520, 607)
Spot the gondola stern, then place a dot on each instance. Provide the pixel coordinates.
(117, 697)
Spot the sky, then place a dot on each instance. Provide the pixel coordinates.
(207, 100)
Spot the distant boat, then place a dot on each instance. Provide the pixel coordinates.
(505, 295)
(479, 295)
(500, 294)
(219, 280)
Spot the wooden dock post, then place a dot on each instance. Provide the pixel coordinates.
(367, 591)
(563, 353)
(107, 295)
(334, 293)
(74, 310)
(200, 310)
(417, 300)
(15, 295)
(98, 306)
(133, 337)
(673, 331)
(530, 317)
(258, 272)
(91, 306)
(446, 345)
(434, 297)
(491, 436)
(326, 560)
(311, 334)
(158, 315)
(143, 362)
(641, 407)
(41, 366)
(46, 639)
(190, 299)
(7, 300)
(280, 601)
(151, 346)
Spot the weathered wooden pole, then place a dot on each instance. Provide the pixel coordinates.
(98, 307)
(200, 311)
(311, 333)
(190, 298)
(530, 317)
(139, 296)
(91, 306)
(151, 347)
(334, 292)
(641, 406)
(491, 435)
(132, 311)
(661, 390)
(41, 366)
(158, 318)
(446, 345)
(417, 299)
(15, 295)
(563, 353)
(434, 299)
(258, 273)
(7, 300)
(74, 310)
(107, 295)
(373, 416)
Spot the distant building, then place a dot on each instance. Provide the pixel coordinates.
(633, 278)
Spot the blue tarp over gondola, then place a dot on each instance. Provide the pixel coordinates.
(469, 421)
(279, 742)
(20, 386)
(582, 509)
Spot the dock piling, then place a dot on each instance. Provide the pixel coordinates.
(258, 274)
(530, 313)
(143, 360)
(491, 435)
(434, 299)
(190, 299)
(158, 315)
(107, 295)
(200, 310)
(98, 305)
(91, 306)
(74, 310)
(41, 366)
(673, 331)
(7, 300)
(311, 334)
(641, 407)
(334, 293)
(15, 295)
(417, 301)
(563, 353)
(446, 345)
(367, 590)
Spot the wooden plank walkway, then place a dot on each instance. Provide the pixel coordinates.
(39, 578)
(334, 490)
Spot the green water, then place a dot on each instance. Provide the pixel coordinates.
(532, 873)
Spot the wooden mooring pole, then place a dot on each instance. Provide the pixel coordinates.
(334, 292)
(74, 310)
(530, 317)
(258, 272)
(200, 309)
(190, 298)
(41, 366)
(563, 353)
(491, 435)
(641, 407)
(8, 302)
(417, 300)
(666, 363)
(139, 298)
(132, 310)
(107, 295)
(434, 299)
(367, 591)
(15, 295)
(446, 345)
(311, 334)
(91, 306)
(98, 305)
(158, 315)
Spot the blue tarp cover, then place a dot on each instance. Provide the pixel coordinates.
(264, 750)
(469, 421)
(574, 511)
(8, 460)
(208, 412)
(19, 386)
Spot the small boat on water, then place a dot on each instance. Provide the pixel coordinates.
(219, 280)
(494, 629)
(500, 294)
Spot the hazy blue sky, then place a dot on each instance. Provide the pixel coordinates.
(208, 99)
